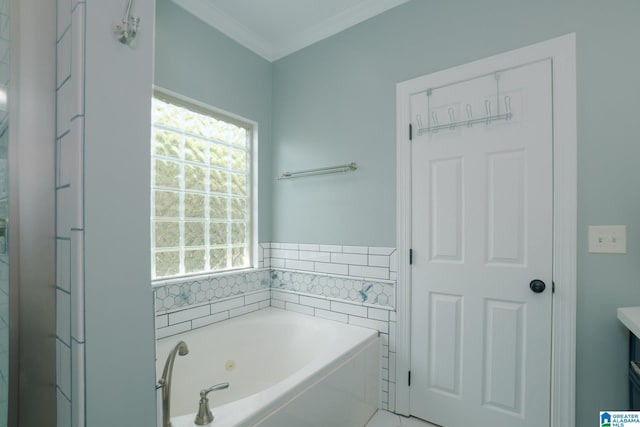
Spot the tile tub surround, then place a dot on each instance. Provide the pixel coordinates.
(182, 305)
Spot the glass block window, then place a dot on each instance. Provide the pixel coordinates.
(200, 190)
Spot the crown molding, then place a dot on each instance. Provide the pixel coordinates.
(274, 50)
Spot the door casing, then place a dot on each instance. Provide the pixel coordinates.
(562, 52)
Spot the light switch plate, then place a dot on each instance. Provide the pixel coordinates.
(608, 239)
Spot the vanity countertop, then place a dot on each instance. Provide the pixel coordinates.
(630, 317)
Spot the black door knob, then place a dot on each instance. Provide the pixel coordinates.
(537, 286)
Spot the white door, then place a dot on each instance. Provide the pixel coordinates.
(481, 233)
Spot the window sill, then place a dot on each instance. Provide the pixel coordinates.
(195, 277)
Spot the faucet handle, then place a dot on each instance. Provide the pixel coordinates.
(221, 386)
(204, 415)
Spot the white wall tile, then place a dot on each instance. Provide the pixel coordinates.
(277, 303)
(189, 314)
(315, 302)
(392, 367)
(299, 308)
(379, 250)
(162, 321)
(284, 253)
(298, 265)
(244, 310)
(63, 371)
(230, 304)
(77, 59)
(63, 264)
(173, 329)
(332, 315)
(64, 59)
(324, 267)
(330, 248)
(355, 249)
(372, 272)
(265, 304)
(64, 16)
(304, 247)
(358, 259)
(78, 384)
(393, 261)
(356, 310)
(276, 245)
(265, 245)
(208, 320)
(257, 297)
(378, 314)
(378, 260)
(77, 284)
(285, 296)
(277, 262)
(63, 413)
(63, 316)
(315, 256)
(369, 323)
(291, 246)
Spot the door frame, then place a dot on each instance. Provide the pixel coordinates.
(562, 52)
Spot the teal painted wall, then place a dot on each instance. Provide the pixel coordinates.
(335, 102)
(197, 61)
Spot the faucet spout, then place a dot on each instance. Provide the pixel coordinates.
(180, 349)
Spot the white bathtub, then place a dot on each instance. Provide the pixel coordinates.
(284, 369)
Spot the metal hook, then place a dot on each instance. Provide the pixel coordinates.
(487, 108)
(469, 115)
(434, 117)
(452, 118)
(507, 107)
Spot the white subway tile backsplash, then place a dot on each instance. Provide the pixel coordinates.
(392, 367)
(162, 321)
(214, 318)
(323, 267)
(358, 259)
(244, 310)
(265, 304)
(352, 309)
(291, 246)
(298, 265)
(285, 296)
(315, 302)
(189, 314)
(277, 262)
(378, 314)
(225, 305)
(299, 308)
(315, 256)
(330, 248)
(173, 330)
(64, 59)
(378, 250)
(304, 247)
(284, 253)
(277, 303)
(64, 16)
(378, 261)
(257, 297)
(355, 249)
(372, 272)
(77, 285)
(332, 315)
(393, 261)
(276, 245)
(369, 323)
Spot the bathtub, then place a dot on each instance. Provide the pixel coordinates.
(284, 369)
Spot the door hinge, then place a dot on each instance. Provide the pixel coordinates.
(553, 287)
(409, 378)
(410, 132)
(410, 256)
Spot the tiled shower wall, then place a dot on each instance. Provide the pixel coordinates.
(70, 339)
(348, 284)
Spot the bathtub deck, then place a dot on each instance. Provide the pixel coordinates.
(388, 419)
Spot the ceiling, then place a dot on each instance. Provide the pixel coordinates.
(275, 28)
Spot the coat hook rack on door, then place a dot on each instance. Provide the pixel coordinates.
(434, 124)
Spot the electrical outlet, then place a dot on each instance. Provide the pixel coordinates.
(608, 239)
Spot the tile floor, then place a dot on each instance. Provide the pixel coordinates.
(388, 419)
